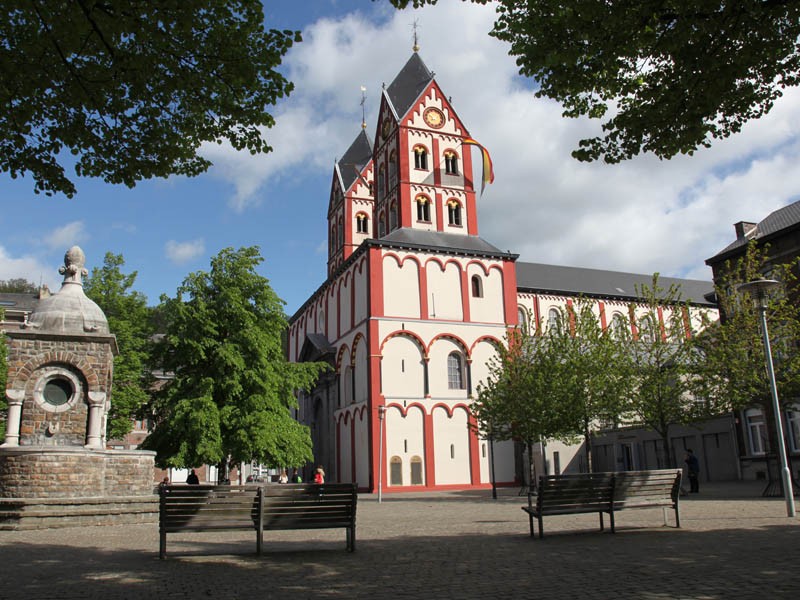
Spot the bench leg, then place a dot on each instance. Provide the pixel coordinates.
(602, 526)
(259, 540)
(351, 539)
(611, 518)
(541, 527)
(162, 545)
(677, 517)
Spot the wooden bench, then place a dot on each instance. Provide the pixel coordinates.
(257, 508)
(603, 493)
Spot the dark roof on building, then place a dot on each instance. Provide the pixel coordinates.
(420, 239)
(554, 279)
(776, 222)
(355, 159)
(412, 79)
(18, 302)
(316, 347)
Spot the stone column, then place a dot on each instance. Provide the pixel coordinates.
(94, 428)
(14, 398)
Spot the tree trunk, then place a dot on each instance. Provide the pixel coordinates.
(587, 443)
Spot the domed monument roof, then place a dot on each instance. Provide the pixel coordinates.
(69, 310)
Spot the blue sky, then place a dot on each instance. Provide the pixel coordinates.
(642, 216)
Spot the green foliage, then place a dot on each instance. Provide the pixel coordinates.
(663, 365)
(734, 373)
(127, 314)
(672, 76)
(132, 88)
(18, 286)
(232, 391)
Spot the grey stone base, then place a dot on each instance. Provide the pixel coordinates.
(46, 513)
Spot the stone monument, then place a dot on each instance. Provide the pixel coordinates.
(55, 470)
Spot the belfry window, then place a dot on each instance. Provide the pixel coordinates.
(393, 217)
(454, 212)
(362, 223)
(477, 287)
(423, 208)
(450, 163)
(420, 157)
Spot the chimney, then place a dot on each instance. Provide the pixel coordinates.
(743, 229)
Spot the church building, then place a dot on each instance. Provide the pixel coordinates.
(416, 304)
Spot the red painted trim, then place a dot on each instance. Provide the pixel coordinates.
(374, 400)
(353, 298)
(400, 333)
(430, 454)
(474, 450)
(403, 178)
(537, 314)
(465, 296)
(510, 292)
(485, 338)
(439, 205)
(449, 336)
(661, 328)
(687, 324)
(603, 323)
(423, 292)
(376, 308)
(437, 173)
(632, 319)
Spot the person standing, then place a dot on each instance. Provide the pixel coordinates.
(319, 475)
(193, 479)
(693, 469)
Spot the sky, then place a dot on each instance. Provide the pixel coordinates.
(641, 216)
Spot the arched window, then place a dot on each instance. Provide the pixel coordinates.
(477, 286)
(381, 225)
(321, 321)
(333, 239)
(362, 223)
(647, 329)
(619, 328)
(341, 233)
(381, 182)
(423, 208)
(450, 163)
(454, 212)
(455, 371)
(553, 320)
(522, 318)
(416, 470)
(371, 186)
(420, 157)
(393, 216)
(396, 471)
(392, 169)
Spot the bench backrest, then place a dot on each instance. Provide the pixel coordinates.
(579, 492)
(640, 488)
(185, 507)
(309, 506)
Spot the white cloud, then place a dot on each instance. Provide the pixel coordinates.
(183, 252)
(29, 268)
(66, 236)
(643, 215)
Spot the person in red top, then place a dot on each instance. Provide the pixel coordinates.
(319, 475)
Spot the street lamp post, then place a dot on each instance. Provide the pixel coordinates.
(759, 290)
(381, 415)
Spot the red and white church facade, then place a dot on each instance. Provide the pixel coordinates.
(416, 304)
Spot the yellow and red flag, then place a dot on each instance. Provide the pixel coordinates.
(488, 171)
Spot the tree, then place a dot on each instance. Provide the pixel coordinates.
(664, 366)
(520, 398)
(232, 389)
(671, 76)
(127, 314)
(595, 370)
(734, 373)
(18, 286)
(132, 88)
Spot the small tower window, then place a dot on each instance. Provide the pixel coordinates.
(393, 217)
(455, 372)
(381, 182)
(450, 163)
(392, 169)
(477, 286)
(420, 157)
(423, 208)
(454, 212)
(362, 223)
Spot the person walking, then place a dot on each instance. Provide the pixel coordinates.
(693, 469)
(319, 475)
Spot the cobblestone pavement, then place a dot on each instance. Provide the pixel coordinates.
(732, 544)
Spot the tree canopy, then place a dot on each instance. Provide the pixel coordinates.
(127, 314)
(132, 88)
(18, 285)
(232, 388)
(668, 77)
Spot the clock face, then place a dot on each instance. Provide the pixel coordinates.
(433, 117)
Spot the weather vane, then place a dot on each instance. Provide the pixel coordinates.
(363, 102)
(415, 26)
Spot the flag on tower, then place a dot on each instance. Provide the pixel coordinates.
(488, 171)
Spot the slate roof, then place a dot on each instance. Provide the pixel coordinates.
(776, 222)
(555, 279)
(455, 243)
(18, 302)
(355, 159)
(410, 82)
